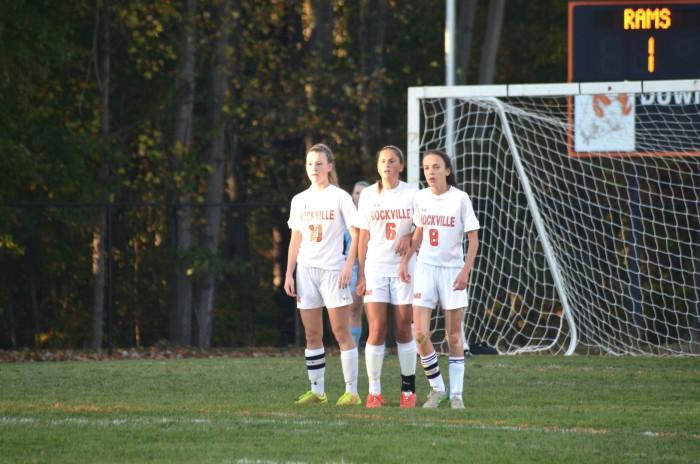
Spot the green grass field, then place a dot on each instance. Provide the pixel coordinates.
(239, 410)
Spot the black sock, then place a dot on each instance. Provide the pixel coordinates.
(408, 383)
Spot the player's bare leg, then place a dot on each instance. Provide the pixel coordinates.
(376, 319)
(453, 325)
(356, 317)
(340, 325)
(312, 319)
(403, 317)
(421, 329)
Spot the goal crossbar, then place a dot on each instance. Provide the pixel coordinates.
(562, 89)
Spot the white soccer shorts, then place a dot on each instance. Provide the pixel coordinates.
(384, 289)
(433, 285)
(318, 287)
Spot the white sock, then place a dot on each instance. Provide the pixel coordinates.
(432, 371)
(374, 360)
(348, 359)
(316, 368)
(407, 357)
(456, 367)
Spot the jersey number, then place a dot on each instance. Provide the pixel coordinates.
(433, 236)
(390, 230)
(316, 232)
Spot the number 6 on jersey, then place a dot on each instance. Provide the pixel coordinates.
(390, 229)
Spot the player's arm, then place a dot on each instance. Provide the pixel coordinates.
(294, 242)
(415, 243)
(363, 240)
(462, 279)
(403, 244)
(346, 273)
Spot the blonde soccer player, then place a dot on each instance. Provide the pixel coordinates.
(385, 215)
(318, 217)
(443, 215)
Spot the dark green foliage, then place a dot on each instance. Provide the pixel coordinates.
(281, 97)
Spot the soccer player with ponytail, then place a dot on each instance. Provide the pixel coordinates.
(385, 214)
(318, 217)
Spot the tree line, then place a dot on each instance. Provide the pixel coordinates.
(149, 148)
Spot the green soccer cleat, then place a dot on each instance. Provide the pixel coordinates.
(311, 398)
(348, 399)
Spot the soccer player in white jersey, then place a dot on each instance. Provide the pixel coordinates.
(443, 214)
(385, 216)
(318, 217)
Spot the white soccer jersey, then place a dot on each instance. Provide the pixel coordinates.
(322, 217)
(387, 215)
(444, 219)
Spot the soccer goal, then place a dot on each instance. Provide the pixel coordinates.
(588, 197)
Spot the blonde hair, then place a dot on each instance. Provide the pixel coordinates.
(322, 148)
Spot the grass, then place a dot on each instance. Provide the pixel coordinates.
(238, 410)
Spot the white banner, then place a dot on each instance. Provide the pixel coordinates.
(604, 123)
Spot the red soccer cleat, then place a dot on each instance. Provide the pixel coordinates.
(374, 401)
(408, 400)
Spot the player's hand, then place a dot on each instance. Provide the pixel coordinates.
(403, 272)
(360, 285)
(402, 245)
(289, 286)
(461, 281)
(345, 276)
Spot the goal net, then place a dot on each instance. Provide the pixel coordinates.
(588, 198)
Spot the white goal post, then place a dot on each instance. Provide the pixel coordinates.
(589, 199)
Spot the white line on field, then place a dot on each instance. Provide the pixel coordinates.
(156, 421)
(246, 419)
(264, 461)
(247, 460)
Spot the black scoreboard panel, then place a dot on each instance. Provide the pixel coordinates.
(626, 40)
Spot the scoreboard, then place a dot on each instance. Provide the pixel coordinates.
(643, 40)
(633, 40)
